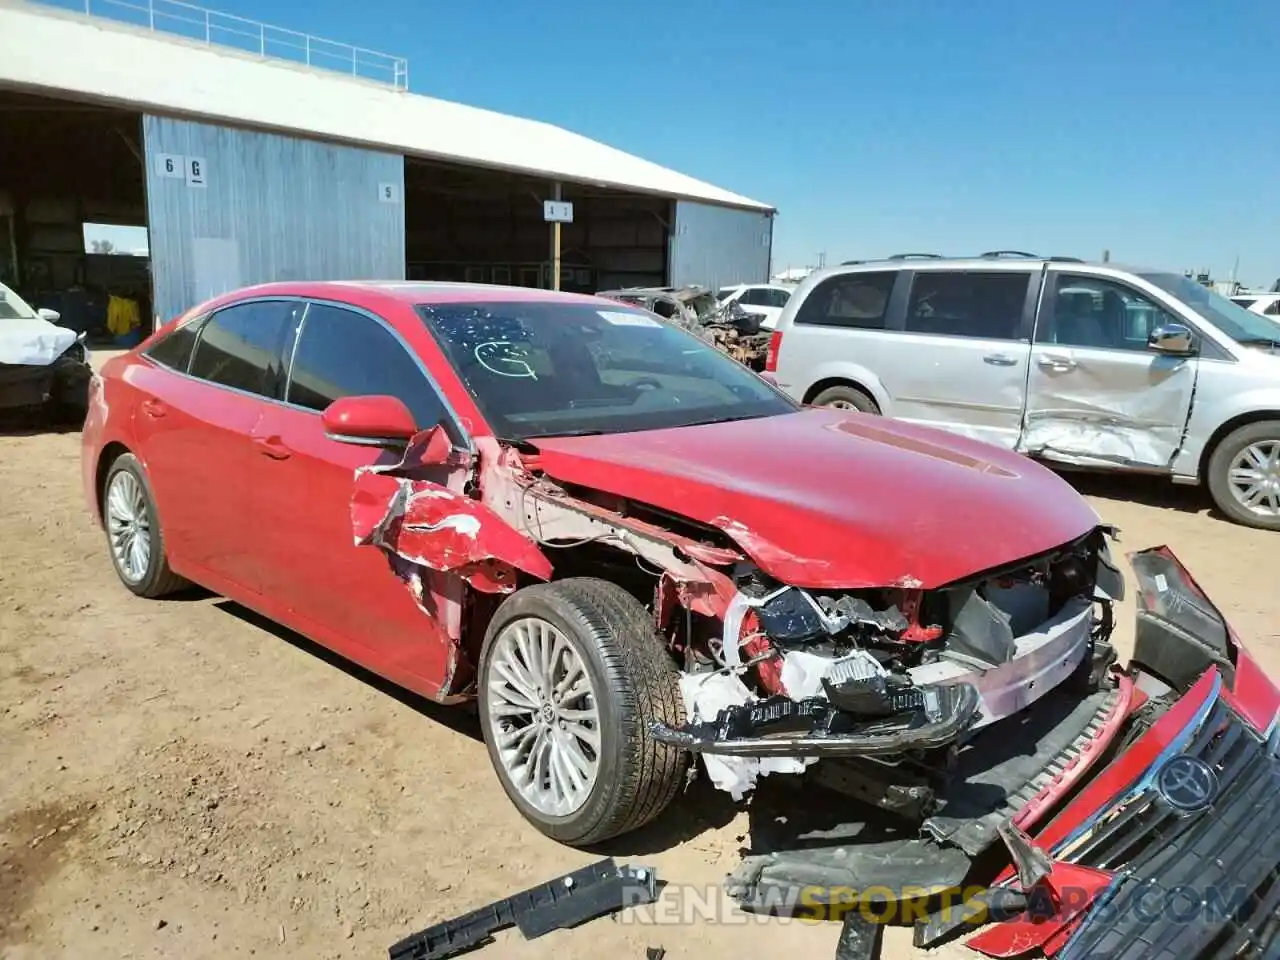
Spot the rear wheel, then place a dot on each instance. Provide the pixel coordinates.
(133, 530)
(571, 675)
(1244, 475)
(844, 397)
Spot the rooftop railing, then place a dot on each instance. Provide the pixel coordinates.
(192, 22)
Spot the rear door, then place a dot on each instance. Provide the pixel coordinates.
(1097, 395)
(961, 357)
(208, 382)
(349, 597)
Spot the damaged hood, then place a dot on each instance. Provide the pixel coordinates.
(32, 340)
(830, 499)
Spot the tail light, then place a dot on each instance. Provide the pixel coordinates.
(771, 357)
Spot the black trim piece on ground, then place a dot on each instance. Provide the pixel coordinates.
(558, 904)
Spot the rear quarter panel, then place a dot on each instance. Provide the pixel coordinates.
(108, 421)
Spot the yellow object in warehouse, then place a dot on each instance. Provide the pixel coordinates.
(123, 315)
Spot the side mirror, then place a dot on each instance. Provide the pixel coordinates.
(375, 421)
(1173, 339)
(53, 316)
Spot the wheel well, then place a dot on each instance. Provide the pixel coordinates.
(600, 560)
(109, 455)
(1253, 416)
(821, 385)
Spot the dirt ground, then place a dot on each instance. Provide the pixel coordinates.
(180, 778)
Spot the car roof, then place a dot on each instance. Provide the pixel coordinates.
(411, 292)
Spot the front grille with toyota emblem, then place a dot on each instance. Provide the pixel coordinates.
(1195, 848)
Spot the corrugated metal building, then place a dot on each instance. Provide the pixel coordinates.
(247, 167)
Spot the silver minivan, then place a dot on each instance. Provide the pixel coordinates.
(1082, 364)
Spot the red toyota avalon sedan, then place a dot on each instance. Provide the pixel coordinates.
(630, 551)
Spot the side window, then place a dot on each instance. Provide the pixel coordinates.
(756, 297)
(241, 346)
(778, 298)
(849, 300)
(342, 353)
(1099, 313)
(1273, 309)
(953, 303)
(174, 349)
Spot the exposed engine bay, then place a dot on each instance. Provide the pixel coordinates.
(799, 675)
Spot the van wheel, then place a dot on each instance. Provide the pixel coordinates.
(1244, 475)
(571, 675)
(133, 530)
(846, 398)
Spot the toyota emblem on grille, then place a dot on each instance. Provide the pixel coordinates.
(1188, 784)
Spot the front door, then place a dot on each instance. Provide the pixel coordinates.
(960, 362)
(1097, 395)
(349, 597)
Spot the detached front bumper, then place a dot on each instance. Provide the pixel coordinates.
(1182, 830)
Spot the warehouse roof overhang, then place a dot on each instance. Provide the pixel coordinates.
(56, 52)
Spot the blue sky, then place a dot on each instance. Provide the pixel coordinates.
(1147, 128)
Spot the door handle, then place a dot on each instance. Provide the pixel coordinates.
(154, 408)
(1000, 360)
(272, 447)
(1056, 361)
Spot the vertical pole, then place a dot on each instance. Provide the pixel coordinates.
(308, 49)
(262, 39)
(555, 241)
(151, 13)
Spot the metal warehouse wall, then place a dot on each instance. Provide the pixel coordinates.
(229, 208)
(715, 246)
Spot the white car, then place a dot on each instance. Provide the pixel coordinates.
(42, 365)
(764, 299)
(1267, 304)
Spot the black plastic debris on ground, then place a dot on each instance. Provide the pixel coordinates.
(559, 904)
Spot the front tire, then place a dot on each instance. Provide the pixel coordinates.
(134, 537)
(571, 675)
(1244, 475)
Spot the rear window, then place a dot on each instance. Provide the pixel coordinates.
(241, 346)
(173, 350)
(849, 300)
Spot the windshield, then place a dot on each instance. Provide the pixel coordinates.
(547, 369)
(1232, 319)
(12, 306)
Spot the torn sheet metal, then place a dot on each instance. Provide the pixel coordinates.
(781, 563)
(1096, 414)
(705, 695)
(428, 525)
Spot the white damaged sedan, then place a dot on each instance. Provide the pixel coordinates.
(44, 368)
